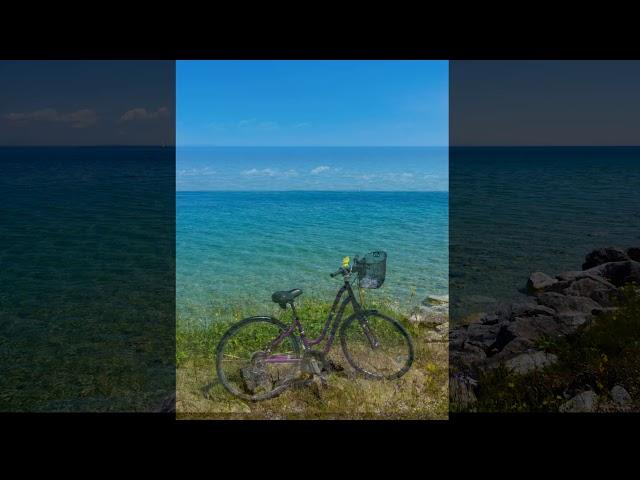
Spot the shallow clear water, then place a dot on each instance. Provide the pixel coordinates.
(236, 248)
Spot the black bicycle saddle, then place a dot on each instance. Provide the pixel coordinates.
(285, 296)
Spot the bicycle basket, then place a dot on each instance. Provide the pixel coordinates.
(371, 269)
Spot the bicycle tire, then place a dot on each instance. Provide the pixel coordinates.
(397, 327)
(220, 353)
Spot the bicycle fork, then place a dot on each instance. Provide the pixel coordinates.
(373, 341)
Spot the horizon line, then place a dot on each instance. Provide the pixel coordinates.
(317, 146)
(315, 191)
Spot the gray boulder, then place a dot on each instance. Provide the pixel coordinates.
(535, 327)
(604, 255)
(457, 337)
(539, 281)
(581, 403)
(467, 357)
(482, 335)
(512, 349)
(434, 310)
(491, 319)
(434, 315)
(439, 333)
(618, 273)
(569, 304)
(256, 379)
(567, 277)
(530, 361)
(620, 395)
(600, 291)
(586, 286)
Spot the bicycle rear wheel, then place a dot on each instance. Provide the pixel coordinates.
(245, 367)
(377, 346)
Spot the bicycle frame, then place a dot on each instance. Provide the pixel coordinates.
(307, 343)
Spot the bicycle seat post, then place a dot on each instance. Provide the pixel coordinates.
(296, 319)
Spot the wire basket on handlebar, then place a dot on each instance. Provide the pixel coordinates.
(371, 269)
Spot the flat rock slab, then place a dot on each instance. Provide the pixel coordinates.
(524, 309)
(535, 327)
(434, 315)
(436, 300)
(530, 361)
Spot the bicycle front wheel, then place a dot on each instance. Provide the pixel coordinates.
(377, 346)
(246, 365)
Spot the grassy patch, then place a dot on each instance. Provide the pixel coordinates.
(420, 393)
(606, 354)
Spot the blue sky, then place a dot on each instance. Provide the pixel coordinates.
(312, 103)
(248, 125)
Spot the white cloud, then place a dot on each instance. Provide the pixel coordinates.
(320, 169)
(269, 172)
(196, 172)
(254, 172)
(144, 114)
(79, 119)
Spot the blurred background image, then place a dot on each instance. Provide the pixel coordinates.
(545, 230)
(87, 202)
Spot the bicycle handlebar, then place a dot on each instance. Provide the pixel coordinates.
(337, 272)
(343, 270)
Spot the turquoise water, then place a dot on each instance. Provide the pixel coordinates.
(237, 248)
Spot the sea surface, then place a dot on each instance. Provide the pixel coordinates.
(87, 282)
(234, 249)
(253, 220)
(519, 210)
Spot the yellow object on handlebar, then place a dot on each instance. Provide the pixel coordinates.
(345, 262)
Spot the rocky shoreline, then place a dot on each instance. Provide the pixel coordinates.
(556, 306)
(433, 315)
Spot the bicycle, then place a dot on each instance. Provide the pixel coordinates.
(260, 357)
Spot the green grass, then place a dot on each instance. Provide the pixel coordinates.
(606, 354)
(421, 393)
